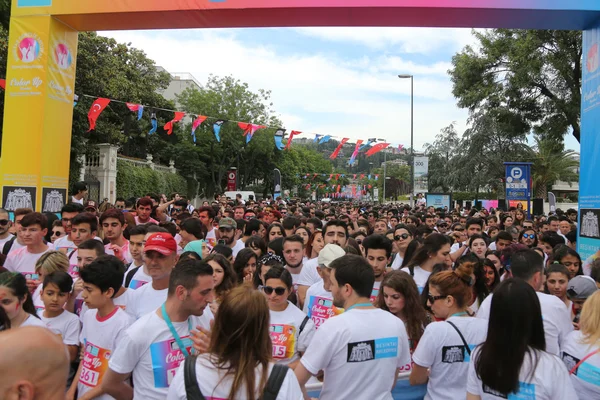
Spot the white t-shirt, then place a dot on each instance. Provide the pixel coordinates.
(586, 378)
(33, 321)
(146, 299)
(209, 376)
(66, 325)
(22, 261)
(442, 350)
(307, 276)
(557, 320)
(76, 200)
(139, 279)
(100, 337)
(359, 351)
(420, 277)
(549, 381)
(37, 298)
(122, 301)
(6, 239)
(285, 334)
(375, 291)
(16, 246)
(150, 352)
(239, 245)
(397, 263)
(319, 304)
(64, 244)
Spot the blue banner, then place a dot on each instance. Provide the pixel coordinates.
(588, 241)
(438, 200)
(518, 182)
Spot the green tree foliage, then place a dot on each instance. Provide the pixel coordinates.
(550, 164)
(133, 180)
(535, 75)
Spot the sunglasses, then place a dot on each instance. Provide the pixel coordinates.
(459, 230)
(404, 236)
(443, 225)
(529, 235)
(176, 211)
(279, 291)
(56, 233)
(4, 221)
(120, 206)
(432, 299)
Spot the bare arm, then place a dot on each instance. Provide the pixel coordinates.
(303, 375)
(114, 385)
(73, 351)
(301, 292)
(73, 388)
(160, 210)
(471, 396)
(419, 375)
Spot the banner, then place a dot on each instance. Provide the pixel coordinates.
(276, 183)
(518, 182)
(232, 180)
(439, 200)
(420, 171)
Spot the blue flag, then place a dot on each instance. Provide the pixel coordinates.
(316, 138)
(279, 133)
(217, 129)
(324, 139)
(154, 124)
(140, 112)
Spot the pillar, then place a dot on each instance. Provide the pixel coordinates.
(38, 112)
(588, 241)
(107, 172)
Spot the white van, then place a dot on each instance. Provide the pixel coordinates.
(245, 195)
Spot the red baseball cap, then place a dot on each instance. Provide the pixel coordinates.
(161, 242)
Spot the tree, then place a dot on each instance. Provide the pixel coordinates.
(533, 74)
(551, 164)
(442, 175)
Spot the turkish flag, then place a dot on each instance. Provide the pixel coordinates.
(95, 110)
(169, 125)
(3, 84)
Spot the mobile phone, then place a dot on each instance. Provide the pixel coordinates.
(221, 241)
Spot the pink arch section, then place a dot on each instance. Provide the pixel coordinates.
(171, 14)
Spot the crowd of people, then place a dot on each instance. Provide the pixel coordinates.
(151, 298)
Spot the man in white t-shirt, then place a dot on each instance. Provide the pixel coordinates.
(136, 275)
(81, 190)
(361, 350)
(160, 257)
(112, 223)
(67, 213)
(528, 265)
(154, 346)
(34, 227)
(378, 251)
(207, 215)
(143, 210)
(226, 233)
(303, 275)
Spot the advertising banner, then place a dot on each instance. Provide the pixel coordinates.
(439, 200)
(276, 183)
(518, 183)
(231, 180)
(420, 171)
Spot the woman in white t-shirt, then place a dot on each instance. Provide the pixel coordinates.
(240, 338)
(403, 234)
(512, 361)
(442, 356)
(581, 350)
(291, 330)
(16, 301)
(557, 281)
(435, 249)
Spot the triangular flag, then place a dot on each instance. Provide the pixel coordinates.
(289, 142)
(377, 148)
(337, 150)
(279, 133)
(356, 149)
(217, 129)
(95, 110)
(154, 124)
(325, 139)
(400, 147)
(364, 146)
(169, 125)
(197, 122)
(249, 129)
(316, 138)
(136, 107)
(3, 84)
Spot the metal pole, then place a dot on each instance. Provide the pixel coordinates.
(412, 151)
(384, 170)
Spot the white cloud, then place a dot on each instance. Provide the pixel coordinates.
(317, 92)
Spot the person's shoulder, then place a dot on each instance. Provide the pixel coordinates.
(574, 337)
(123, 318)
(70, 318)
(144, 327)
(549, 300)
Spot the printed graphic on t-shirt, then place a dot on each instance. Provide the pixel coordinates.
(166, 357)
(320, 309)
(136, 284)
(95, 364)
(372, 349)
(74, 271)
(31, 275)
(374, 294)
(284, 341)
(454, 354)
(585, 371)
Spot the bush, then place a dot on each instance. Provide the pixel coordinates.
(135, 181)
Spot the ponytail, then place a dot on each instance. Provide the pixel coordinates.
(457, 283)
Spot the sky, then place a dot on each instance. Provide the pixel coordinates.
(329, 81)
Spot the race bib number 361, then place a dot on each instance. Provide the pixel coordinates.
(95, 364)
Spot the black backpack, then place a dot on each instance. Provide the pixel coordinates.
(8, 245)
(193, 392)
(130, 275)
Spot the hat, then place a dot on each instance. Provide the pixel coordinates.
(228, 223)
(195, 246)
(442, 222)
(581, 287)
(162, 242)
(329, 253)
(91, 204)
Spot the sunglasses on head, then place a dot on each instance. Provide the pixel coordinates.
(403, 236)
(279, 291)
(529, 235)
(4, 221)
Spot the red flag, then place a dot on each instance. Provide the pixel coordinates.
(289, 142)
(362, 176)
(132, 106)
(169, 125)
(197, 122)
(330, 177)
(377, 148)
(3, 84)
(95, 110)
(354, 176)
(337, 176)
(337, 150)
(249, 129)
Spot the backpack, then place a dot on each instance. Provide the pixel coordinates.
(193, 392)
(8, 245)
(130, 275)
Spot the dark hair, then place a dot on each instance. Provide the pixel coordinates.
(194, 227)
(335, 222)
(229, 278)
(525, 263)
(480, 288)
(35, 218)
(86, 218)
(4, 320)
(488, 263)
(61, 279)
(278, 272)
(522, 332)
(113, 213)
(477, 236)
(257, 242)
(190, 254)
(431, 245)
(535, 240)
(208, 210)
(138, 230)
(105, 272)
(69, 208)
(595, 270)
(252, 225)
(552, 238)
(186, 273)
(572, 236)
(277, 246)
(171, 227)
(409, 228)
(276, 225)
(80, 187)
(92, 244)
(504, 235)
(290, 223)
(474, 221)
(242, 258)
(316, 222)
(222, 249)
(153, 228)
(17, 283)
(355, 271)
(144, 202)
(562, 251)
(51, 218)
(555, 268)
(378, 242)
(410, 251)
(292, 238)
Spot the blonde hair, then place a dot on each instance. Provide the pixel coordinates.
(590, 320)
(52, 261)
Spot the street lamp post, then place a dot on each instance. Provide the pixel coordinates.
(412, 152)
(384, 165)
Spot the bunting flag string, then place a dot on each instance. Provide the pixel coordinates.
(377, 148)
(154, 124)
(217, 129)
(369, 143)
(356, 149)
(337, 150)
(136, 107)
(95, 110)
(292, 134)
(169, 125)
(317, 137)
(197, 122)
(325, 139)
(279, 133)
(249, 129)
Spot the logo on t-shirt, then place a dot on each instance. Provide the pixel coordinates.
(372, 349)
(585, 371)
(95, 364)
(570, 361)
(320, 309)
(454, 354)
(166, 357)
